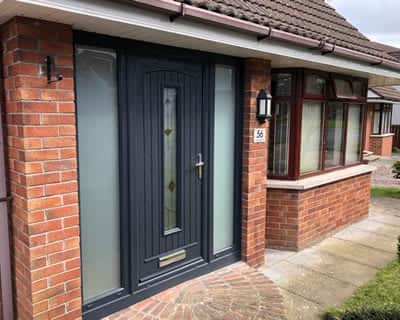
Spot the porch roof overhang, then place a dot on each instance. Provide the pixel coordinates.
(388, 95)
(126, 20)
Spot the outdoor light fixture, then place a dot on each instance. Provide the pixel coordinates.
(51, 68)
(263, 106)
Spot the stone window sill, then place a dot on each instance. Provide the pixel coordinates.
(320, 180)
(382, 135)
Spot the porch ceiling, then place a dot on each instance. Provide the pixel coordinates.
(127, 21)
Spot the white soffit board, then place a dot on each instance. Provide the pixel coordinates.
(379, 101)
(373, 95)
(128, 21)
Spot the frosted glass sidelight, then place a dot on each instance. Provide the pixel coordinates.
(353, 145)
(170, 215)
(311, 137)
(224, 157)
(97, 112)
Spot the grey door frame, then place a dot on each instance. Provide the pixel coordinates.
(125, 296)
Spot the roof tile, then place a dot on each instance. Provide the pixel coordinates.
(313, 19)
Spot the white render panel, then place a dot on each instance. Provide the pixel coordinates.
(396, 115)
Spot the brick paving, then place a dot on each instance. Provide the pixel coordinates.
(234, 292)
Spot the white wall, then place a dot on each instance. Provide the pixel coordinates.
(396, 114)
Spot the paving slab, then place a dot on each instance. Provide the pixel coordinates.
(377, 227)
(328, 273)
(329, 264)
(276, 256)
(356, 252)
(387, 219)
(299, 308)
(387, 206)
(368, 239)
(309, 284)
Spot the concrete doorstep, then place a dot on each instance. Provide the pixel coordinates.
(328, 273)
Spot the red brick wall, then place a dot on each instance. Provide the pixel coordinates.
(297, 219)
(42, 169)
(254, 179)
(381, 145)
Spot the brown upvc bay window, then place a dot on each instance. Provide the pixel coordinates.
(382, 119)
(317, 122)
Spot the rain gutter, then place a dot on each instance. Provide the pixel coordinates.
(179, 9)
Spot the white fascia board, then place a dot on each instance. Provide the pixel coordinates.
(380, 101)
(124, 20)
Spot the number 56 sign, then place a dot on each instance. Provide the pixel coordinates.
(259, 135)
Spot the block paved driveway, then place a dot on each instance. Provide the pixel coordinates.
(326, 274)
(237, 292)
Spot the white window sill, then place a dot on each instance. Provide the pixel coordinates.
(320, 180)
(381, 135)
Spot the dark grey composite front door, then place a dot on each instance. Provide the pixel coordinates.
(167, 170)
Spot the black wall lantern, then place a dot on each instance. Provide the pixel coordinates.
(263, 106)
(51, 69)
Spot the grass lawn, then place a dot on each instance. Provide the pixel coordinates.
(379, 300)
(396, 150)
(386, 192)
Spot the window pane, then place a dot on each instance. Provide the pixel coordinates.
(281, 85)
(358, 87)
(334, 135)
(315, 85)
(386, 119)
(311, 137)
(384, 122)
(170, 134)
(343, 88)
(354, 127)
(377, 117)
(224, 154)
(279, 154)
(97, 113)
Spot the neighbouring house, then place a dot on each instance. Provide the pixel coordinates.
(379, 129)
(396, 123)
(138, 152)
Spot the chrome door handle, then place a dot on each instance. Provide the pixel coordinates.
(199, 165)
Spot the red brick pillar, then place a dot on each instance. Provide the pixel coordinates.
(42, 169)
(368, 127)
(254, 193)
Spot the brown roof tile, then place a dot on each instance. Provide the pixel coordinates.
(313, 19)
(387, 93)
(393, 51)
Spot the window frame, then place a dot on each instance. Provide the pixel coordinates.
(384, 109)
(293, 115)
(298, 98)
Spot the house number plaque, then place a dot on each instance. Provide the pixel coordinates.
(259, 135)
